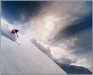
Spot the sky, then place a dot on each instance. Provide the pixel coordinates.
(66, 25)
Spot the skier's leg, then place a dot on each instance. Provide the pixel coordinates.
(17, 35)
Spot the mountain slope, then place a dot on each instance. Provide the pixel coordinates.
(25, 58)
(72, 69)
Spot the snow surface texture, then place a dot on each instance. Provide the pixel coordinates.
(24, 58)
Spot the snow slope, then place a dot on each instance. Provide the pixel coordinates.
(25, 58)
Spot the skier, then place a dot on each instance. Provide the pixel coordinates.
(15, 31)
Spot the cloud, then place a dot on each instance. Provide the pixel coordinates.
(61, 55)
(67, 16)
(67, 57)
(73, 18)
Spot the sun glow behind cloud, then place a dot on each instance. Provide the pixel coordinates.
(55, 17)
(49, 25)
(44, 26)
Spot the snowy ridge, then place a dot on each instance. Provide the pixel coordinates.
(25, 58)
